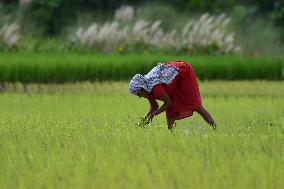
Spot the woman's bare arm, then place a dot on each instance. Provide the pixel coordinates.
(153, 106)
(167, 103)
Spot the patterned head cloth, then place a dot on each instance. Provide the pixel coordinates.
(159, 74)
(137, 83)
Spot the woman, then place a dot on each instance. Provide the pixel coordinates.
(175, 84)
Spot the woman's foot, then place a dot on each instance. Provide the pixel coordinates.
(207, 117)
(171, 123)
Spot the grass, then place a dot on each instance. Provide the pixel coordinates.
(84, 136)
(60, 68)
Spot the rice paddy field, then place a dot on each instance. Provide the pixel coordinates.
(84, 135)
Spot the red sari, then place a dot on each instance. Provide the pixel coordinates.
(183, 91)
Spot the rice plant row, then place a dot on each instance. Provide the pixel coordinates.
(59, 68)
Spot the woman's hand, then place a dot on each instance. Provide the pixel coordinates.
(151, 116)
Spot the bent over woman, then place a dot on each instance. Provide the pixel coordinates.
(175, 84)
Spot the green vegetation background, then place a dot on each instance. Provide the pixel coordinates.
(66, 11)
(259, 25)
(58, 68)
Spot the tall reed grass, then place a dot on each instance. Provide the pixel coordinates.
(9, 31)
(206, 32)
(10, 34)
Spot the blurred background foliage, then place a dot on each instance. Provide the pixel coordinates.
(46, 25)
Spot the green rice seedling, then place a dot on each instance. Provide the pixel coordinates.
(62, 68)
(83, 135)
(143, 121)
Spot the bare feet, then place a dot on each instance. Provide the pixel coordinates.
(171, 123)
